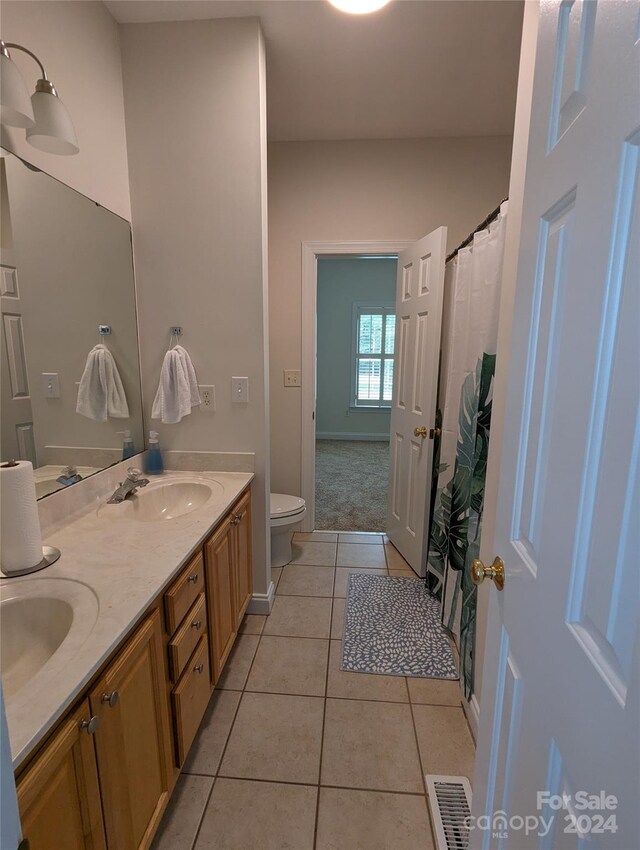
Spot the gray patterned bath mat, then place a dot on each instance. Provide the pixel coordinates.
(392, 626)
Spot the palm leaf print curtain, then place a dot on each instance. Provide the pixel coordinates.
(470, 325)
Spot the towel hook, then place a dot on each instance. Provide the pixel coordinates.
(104, 330)
(176, 331)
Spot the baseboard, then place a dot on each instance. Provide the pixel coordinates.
(348, 435)
(471, 709)
(262, 603)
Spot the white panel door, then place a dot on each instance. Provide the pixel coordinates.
(17, 418)
(560, 711)
(419, 291)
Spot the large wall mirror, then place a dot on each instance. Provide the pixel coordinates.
(70, 377)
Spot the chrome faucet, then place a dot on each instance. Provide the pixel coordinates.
(128, 487)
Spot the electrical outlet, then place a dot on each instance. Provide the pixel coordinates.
(292, 378)
(208, 396)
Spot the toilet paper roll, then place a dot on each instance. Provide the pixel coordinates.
(21, 539)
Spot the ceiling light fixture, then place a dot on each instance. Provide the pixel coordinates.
(359, 7)
(45, 117)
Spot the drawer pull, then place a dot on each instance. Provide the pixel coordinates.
(90, 726)
(197, 624)
(193, 578)
(198, 668)
(111, 698)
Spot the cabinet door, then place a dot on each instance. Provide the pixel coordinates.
(219, 568)
(59, 795)
(133, 740)
(243, 567)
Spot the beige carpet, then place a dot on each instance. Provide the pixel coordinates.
(351, 485)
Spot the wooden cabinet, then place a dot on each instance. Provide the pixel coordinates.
(229, 580)
(105, 786)
(183, 592)
(59, 795)
(219, 556)
(133, 740)
(190, 699)
(186, 638)
(243, 567)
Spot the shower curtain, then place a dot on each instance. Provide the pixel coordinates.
(470, 324)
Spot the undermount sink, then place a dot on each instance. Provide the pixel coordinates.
(38, 617)
(163, 501)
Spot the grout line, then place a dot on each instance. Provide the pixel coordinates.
(324, 716)
(313, 785)
(204, 811)
(343, 699)
(415, 734)
(332, 787)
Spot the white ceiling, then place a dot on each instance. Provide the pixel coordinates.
(415, 69)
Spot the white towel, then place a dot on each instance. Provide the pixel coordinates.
(101, 393)
(178, 387)
(191, 375)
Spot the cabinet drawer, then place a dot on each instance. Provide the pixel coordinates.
(190, 698)
(185, 639)
(183, 592)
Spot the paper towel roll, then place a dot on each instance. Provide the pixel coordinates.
(21, 539)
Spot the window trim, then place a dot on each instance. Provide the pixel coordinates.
(359, 307)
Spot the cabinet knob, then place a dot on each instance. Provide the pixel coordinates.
(193, 578)
(198, 668)
(197, 624)
(89, 726)
(111, 698)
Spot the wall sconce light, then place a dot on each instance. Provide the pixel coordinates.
(44, 116)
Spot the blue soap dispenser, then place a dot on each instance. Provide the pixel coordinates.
(155, 466)
(128, 448)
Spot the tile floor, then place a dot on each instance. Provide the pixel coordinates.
(295, 754)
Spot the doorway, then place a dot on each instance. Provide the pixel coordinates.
(329, 427)
(354, 381)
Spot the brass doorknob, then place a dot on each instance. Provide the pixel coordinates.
(495, 572)
(421, 432)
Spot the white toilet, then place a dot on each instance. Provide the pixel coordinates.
(287, 512)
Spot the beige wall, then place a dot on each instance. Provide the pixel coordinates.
(360, 190)
(194, 98)
(79, 45)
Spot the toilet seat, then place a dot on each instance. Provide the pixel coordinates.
(283, 506)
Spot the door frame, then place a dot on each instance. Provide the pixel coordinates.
(310, 253)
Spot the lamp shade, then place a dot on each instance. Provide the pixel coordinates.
(15, 107)
(53, 131)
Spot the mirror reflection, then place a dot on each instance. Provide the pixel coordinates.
(70, 379)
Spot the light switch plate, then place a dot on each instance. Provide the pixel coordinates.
(208, 397)
(292, 378)
(240, 390)
(50, 385)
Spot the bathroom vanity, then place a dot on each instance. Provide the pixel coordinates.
(100, 731)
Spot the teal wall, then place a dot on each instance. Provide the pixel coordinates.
(341, 282)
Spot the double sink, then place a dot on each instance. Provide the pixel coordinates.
(40, 616)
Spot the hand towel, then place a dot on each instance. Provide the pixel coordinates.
(191, 376)
(101, 393)
(178, 387)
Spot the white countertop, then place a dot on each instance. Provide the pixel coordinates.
(125, 564)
